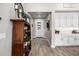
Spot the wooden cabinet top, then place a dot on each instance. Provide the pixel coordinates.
(16, 20)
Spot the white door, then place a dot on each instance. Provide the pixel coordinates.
(39, 28)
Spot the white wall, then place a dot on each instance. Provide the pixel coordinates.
(29, 7)
(48, 32)
(39, 7)
(6, 27)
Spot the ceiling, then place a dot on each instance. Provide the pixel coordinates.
(39, 15)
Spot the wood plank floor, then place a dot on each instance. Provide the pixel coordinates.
(41, 47)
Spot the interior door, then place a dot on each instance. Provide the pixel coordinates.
(39, 28)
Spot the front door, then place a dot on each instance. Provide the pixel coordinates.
(39, 28)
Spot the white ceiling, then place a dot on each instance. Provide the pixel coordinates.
(39, 15)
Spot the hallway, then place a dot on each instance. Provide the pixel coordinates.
(41, 47)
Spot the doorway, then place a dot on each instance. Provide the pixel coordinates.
(39, 28)
(41, 25)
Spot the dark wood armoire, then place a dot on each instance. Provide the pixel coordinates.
(17, 37)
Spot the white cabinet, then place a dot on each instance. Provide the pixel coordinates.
(71, 41)
(57, 20)
(58, 41)
(61, 40)
(63, 20)
(76, 40)
(66, 19)
(66, 40)
(75, 19)
(69, 20)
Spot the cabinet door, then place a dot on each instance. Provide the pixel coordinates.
(62, 20)
(69, 20)
(61, 40)
(75, 19)
(17, 37)
(57, 20)
(64, 39)
(70, 40)
(58, 41)
(17, 50)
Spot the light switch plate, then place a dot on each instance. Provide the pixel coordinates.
(2, 36)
